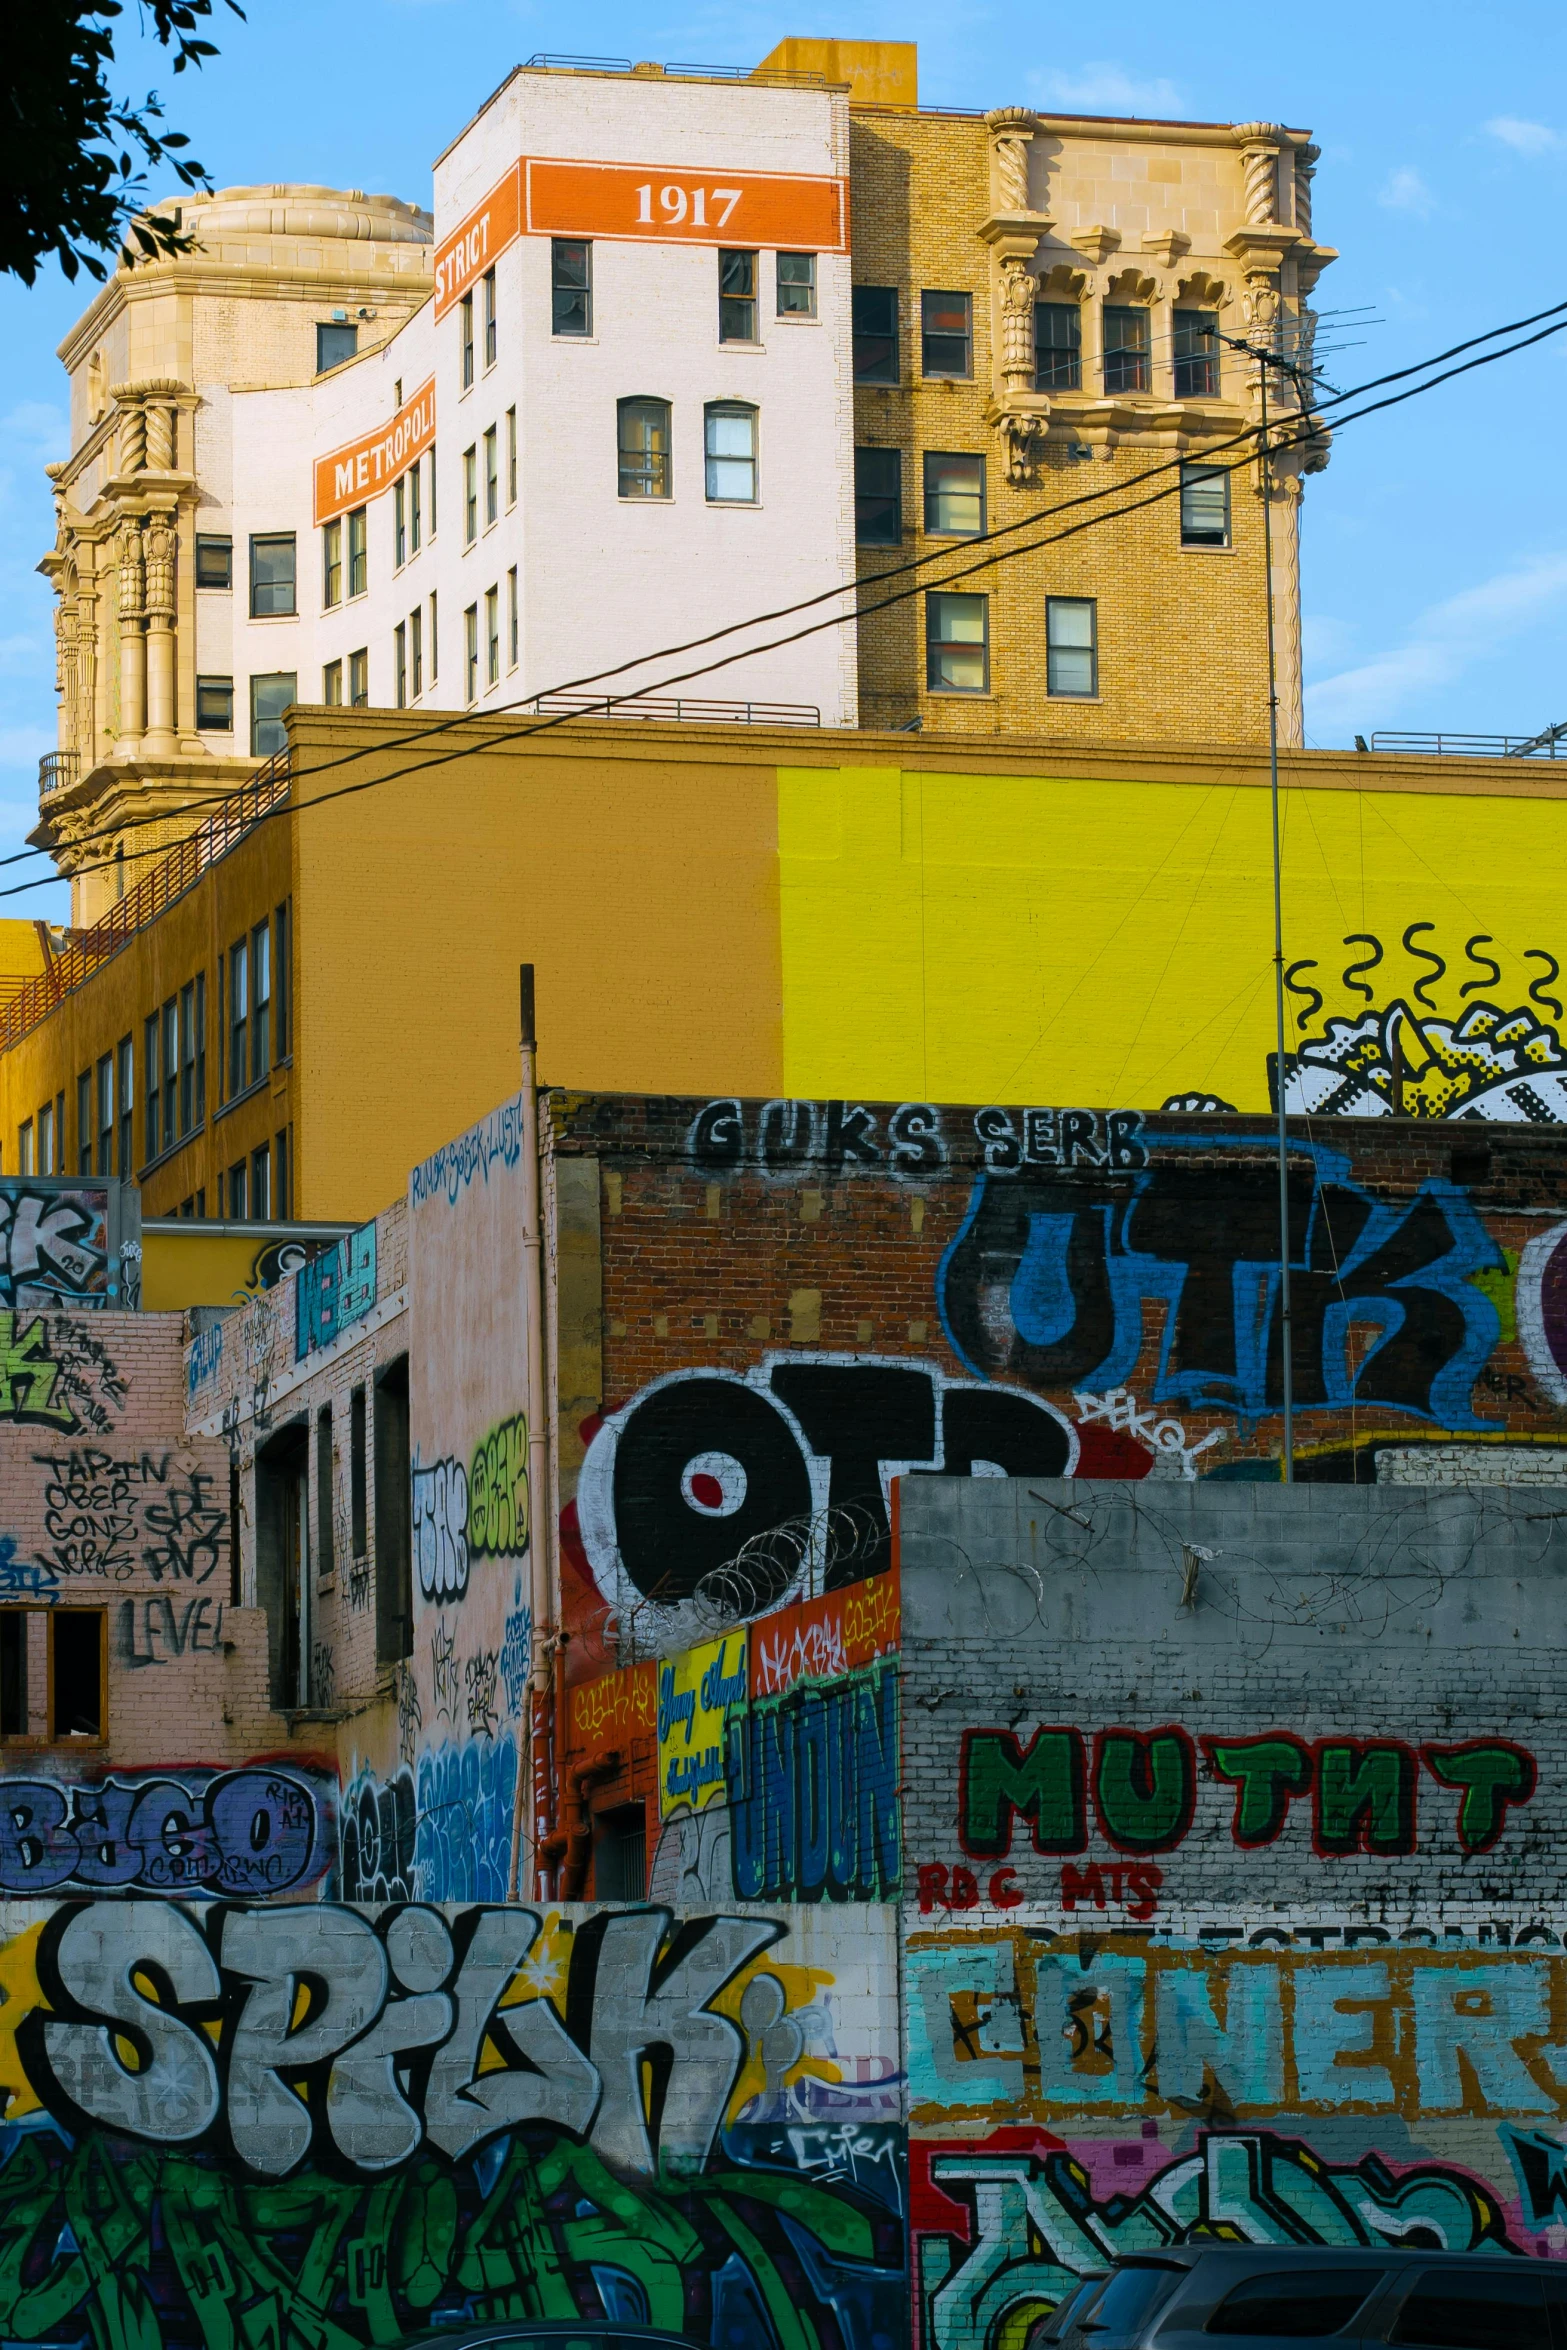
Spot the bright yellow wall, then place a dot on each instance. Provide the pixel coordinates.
(972, 937)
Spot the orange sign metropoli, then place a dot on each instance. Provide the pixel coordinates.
(371, 464)
(541, 197)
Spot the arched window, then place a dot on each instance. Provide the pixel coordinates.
(731, 453)
(644, 448)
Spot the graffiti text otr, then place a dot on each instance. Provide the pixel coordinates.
(915, 1138)
(144, 1977)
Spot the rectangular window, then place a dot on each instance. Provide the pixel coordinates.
(400, 664)
(1196, 354)
(152, 1135)
(957, 644)
(488, 283)
(878, 497)
(46, 1165)
(731, 453)
(272, 575)
(84, 1122)
(511, 456)
(105, 1093)
(435, 641)
(214, 562)
(214, 705)
(282, 975)
(14, 1721)
(282, 1201)
(358, 552)
(1058, 347)
(260, 1000)
(465, 332)
(357, 1495)
(511, 617)
(571, 286)
(399, 524)
(470, 495)
(236, 1191)
(432, 493)
(331, 564)
(797, 285)
(171, 1071)
(954, 495)
(415, 485)
(416, 651)
(76, 1673)
(947, 335)
(261, 1182)
(643, 442)
(394, 1604)
(332, 685)
(1126, 347)
(1072, 645)
(24, 1148)
(492, 635)
(239, 1016)
(269, 698)
(737, 297)
(359, 678)
(1205, 506)
(325, 1560)
(187, 1056)
(492, 476)
(875, 334)
(334, 344)
(126, 1054)
(471, 630)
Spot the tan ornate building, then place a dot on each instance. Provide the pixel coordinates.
(286, 282)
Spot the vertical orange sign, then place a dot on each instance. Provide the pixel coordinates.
(471, 249)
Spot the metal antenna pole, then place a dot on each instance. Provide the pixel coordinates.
(1287, 1464)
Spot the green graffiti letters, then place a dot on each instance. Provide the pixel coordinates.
(498, 1491)
(1493, 1774)
(1145, 1787)
(1042, 1783)
(29, 1376)
(1268, 1772)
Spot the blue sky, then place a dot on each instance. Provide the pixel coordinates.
(1435, 551)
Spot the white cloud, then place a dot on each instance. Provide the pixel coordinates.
(1103, 87)
(1526, 138)
(1405, 191)
(1444, 641)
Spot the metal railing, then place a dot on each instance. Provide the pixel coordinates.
(652, 706)
(551, 61)
(1551, 743)
(56, 769)
(87, 950)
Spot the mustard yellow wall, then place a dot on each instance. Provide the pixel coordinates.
(1101, 939)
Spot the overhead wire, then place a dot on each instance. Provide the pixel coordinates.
(1291, 431)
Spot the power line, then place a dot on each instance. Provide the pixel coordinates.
(1289, 435)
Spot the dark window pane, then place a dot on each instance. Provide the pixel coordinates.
(954, 495)
(334, 344)
(875, 334)
(737, 297)
(1133, 2293)
(272, 575)
(1196, 354)
(1502, 2310)
(571, 286)
(946, 334)
(269, 698)
(76, 1659)
(878, 497)
(1295, 2303)
(1126, 348)
(215, 705)
(797, 285)
(1058, 347)
(214, 563)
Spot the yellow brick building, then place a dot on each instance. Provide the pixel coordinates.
(716, 910)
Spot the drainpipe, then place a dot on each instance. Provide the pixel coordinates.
(538, 1407)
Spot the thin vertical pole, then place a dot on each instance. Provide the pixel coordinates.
(1287, 1464)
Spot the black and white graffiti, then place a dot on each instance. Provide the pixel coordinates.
(701, 1463)
(789, 1138)
(54, 1244)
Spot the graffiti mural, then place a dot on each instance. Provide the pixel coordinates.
(333, 1290)
(376, 1836)
(441, 1529)
(244, 1832)
(1405, 1057)
(1048, 1282)
(55, 1245)
(916, 1138)
(813, 1792)
(461, 2127)
(466, 1801)
(56, 1375)
(703, 1463)
(109, 1516)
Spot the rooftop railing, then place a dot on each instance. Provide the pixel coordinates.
(652, 706)
(170, 878)
(1551, 743)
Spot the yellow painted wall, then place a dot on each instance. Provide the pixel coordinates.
(1102, 939)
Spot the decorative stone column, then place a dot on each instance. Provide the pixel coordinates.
(158, 545)
(1306, 160)
(1260, 144)
(133, 643)
(1012, 231)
